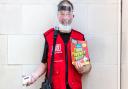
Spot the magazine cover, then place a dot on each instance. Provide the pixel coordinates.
(79, 52)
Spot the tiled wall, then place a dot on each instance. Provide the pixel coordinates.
(22, 23)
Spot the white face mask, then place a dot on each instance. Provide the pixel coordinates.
(64, 28)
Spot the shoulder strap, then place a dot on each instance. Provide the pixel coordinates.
(52, 57)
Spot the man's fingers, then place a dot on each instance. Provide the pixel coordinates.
(29, 83)
(27, 80)
(79, 67)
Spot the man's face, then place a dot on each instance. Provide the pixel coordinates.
(65, 17)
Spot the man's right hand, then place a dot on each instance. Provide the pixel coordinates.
(28, 80)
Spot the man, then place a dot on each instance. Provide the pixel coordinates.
(65, 75)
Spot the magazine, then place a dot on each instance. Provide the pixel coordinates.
(79, 52)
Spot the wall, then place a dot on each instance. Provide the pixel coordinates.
(23, 22)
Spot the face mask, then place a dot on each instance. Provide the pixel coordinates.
(66, 28)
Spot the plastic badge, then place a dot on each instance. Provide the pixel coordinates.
(25, 79)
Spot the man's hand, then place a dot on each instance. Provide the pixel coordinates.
(83, 69)
(28, 80)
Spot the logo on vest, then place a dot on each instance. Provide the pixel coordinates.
(58, 48)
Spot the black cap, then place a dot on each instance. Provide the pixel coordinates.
(65, 5)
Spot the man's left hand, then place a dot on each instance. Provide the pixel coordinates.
(83, 68)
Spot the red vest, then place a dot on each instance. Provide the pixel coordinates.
(59, 68)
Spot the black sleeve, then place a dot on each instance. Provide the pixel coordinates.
(45, 54)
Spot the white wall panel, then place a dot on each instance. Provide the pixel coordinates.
(25, 49)
(103, 48)
(10, 19)
(101, 77)
(10, 77)
(3, 49)
(103, 18)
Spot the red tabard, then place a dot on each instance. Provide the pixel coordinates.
(59, 66)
